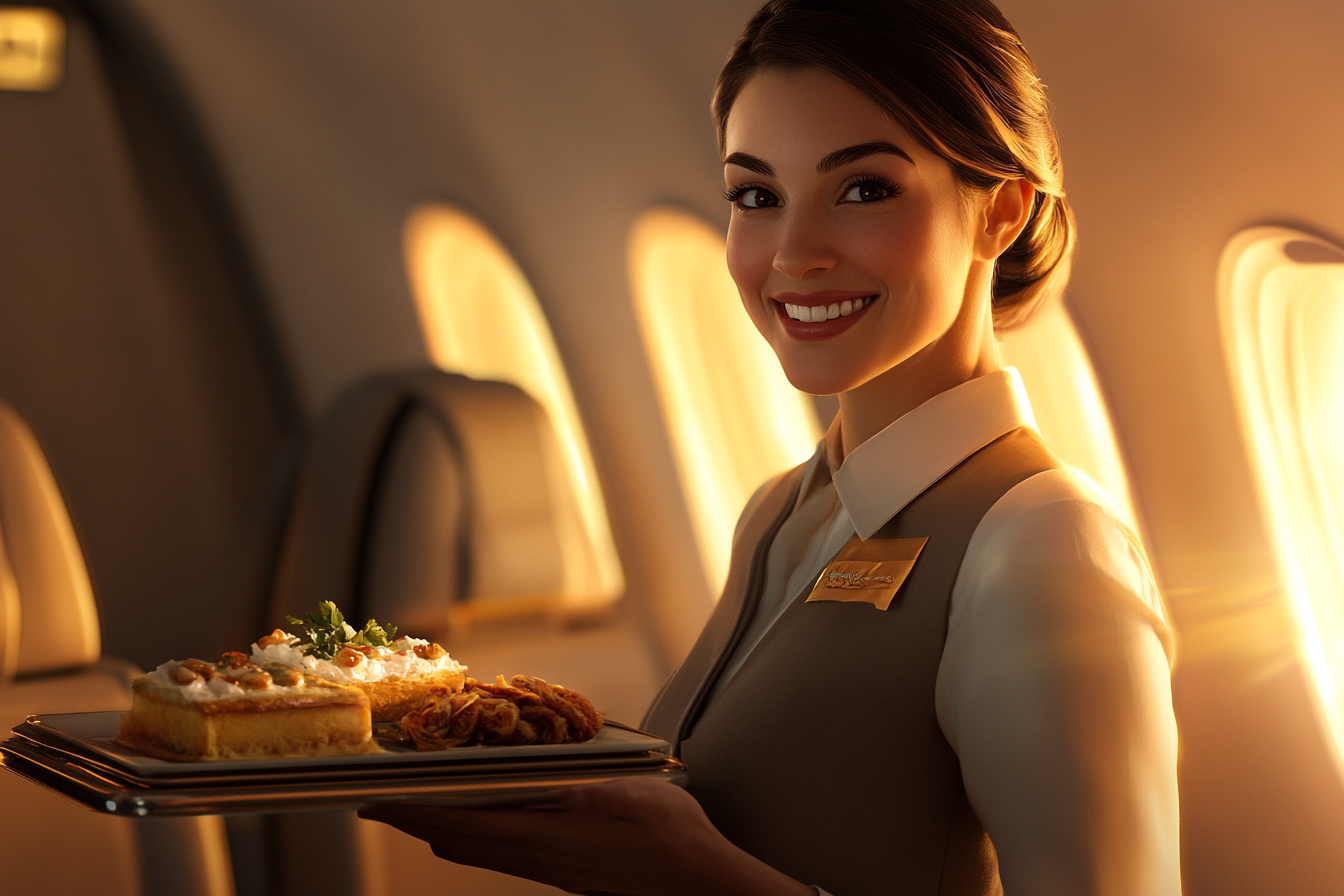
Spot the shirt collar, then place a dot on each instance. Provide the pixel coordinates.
(891, 469)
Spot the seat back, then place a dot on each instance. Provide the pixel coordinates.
(425, 496)
(48, 614)
(9, 616)
(133, 335)
(49, 624)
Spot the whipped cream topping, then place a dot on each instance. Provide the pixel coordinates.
(380, 663)
(217, 688)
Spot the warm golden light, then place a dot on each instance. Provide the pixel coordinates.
(1066, 401)
(733, 417)
(32, 48)
(1281, 297)
(480, 317)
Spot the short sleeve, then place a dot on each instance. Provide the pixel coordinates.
(1055, 691)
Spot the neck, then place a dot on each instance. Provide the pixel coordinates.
(966, 351)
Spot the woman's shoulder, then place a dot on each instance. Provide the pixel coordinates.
(1054, 548)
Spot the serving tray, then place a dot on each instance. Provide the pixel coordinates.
(74, 754)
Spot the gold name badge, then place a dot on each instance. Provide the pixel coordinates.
(870, 571)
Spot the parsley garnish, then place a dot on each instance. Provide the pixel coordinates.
(329, 632)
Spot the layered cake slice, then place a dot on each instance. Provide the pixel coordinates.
(194, 710)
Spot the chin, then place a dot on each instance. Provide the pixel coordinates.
(820, 377)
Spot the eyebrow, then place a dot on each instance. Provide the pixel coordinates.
(860, 151)
(831, 162)
(751, 163)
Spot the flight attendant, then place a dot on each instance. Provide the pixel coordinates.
(940, 664)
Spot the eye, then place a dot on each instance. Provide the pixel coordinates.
(868, 189)
(748, 196)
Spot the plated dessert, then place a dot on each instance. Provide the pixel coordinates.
(234, 709)
(329, 695)
(395, 673)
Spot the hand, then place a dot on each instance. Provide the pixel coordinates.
(634, 837)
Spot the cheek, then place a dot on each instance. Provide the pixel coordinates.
(913, 259)
(748, 265)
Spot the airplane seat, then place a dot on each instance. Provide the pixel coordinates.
(50, 662)
(426, 498)
(429, 500)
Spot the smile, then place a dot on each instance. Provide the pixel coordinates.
(819, 313)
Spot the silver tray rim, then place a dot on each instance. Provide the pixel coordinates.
(113, 794)
(92, 735)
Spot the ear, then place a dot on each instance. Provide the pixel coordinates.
(1006, 210)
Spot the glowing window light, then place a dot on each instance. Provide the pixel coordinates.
(1066, 401)
(1281, 299)
(734, 419)
(32, 48)
(480, 317)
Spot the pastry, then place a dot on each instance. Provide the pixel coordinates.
(233, 709)
(395, 673)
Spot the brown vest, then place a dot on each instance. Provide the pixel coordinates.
(822, 756)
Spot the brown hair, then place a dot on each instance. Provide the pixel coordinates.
(955, 75)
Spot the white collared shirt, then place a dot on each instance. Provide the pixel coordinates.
(1054, 685)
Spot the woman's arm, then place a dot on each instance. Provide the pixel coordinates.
(1055, 692)
(638, 837)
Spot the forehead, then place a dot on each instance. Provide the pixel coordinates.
(806, 112)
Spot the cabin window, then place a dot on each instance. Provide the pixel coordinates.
(1281, 302)
(733, 417)
(481, 318)
(1066, 401)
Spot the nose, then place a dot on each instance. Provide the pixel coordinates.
(806, 247)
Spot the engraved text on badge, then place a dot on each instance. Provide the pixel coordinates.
(870, 571)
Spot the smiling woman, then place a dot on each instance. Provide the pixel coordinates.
(830, 210)
(940, 664)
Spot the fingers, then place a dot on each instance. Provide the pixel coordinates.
(636, 800)
(631, 798)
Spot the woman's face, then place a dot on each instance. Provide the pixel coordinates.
(852, 246)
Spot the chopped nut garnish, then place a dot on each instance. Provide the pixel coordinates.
(429, 651)
(349, 657)
(201, 668)
(285, 676)
(279, 636)
(182, 675)
(256, 680)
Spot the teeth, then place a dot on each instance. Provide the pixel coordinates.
(818, 313)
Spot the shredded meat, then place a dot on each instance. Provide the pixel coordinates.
(524, 711)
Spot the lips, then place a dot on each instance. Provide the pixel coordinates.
(820, 315)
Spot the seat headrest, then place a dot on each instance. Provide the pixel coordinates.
(56, 618)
